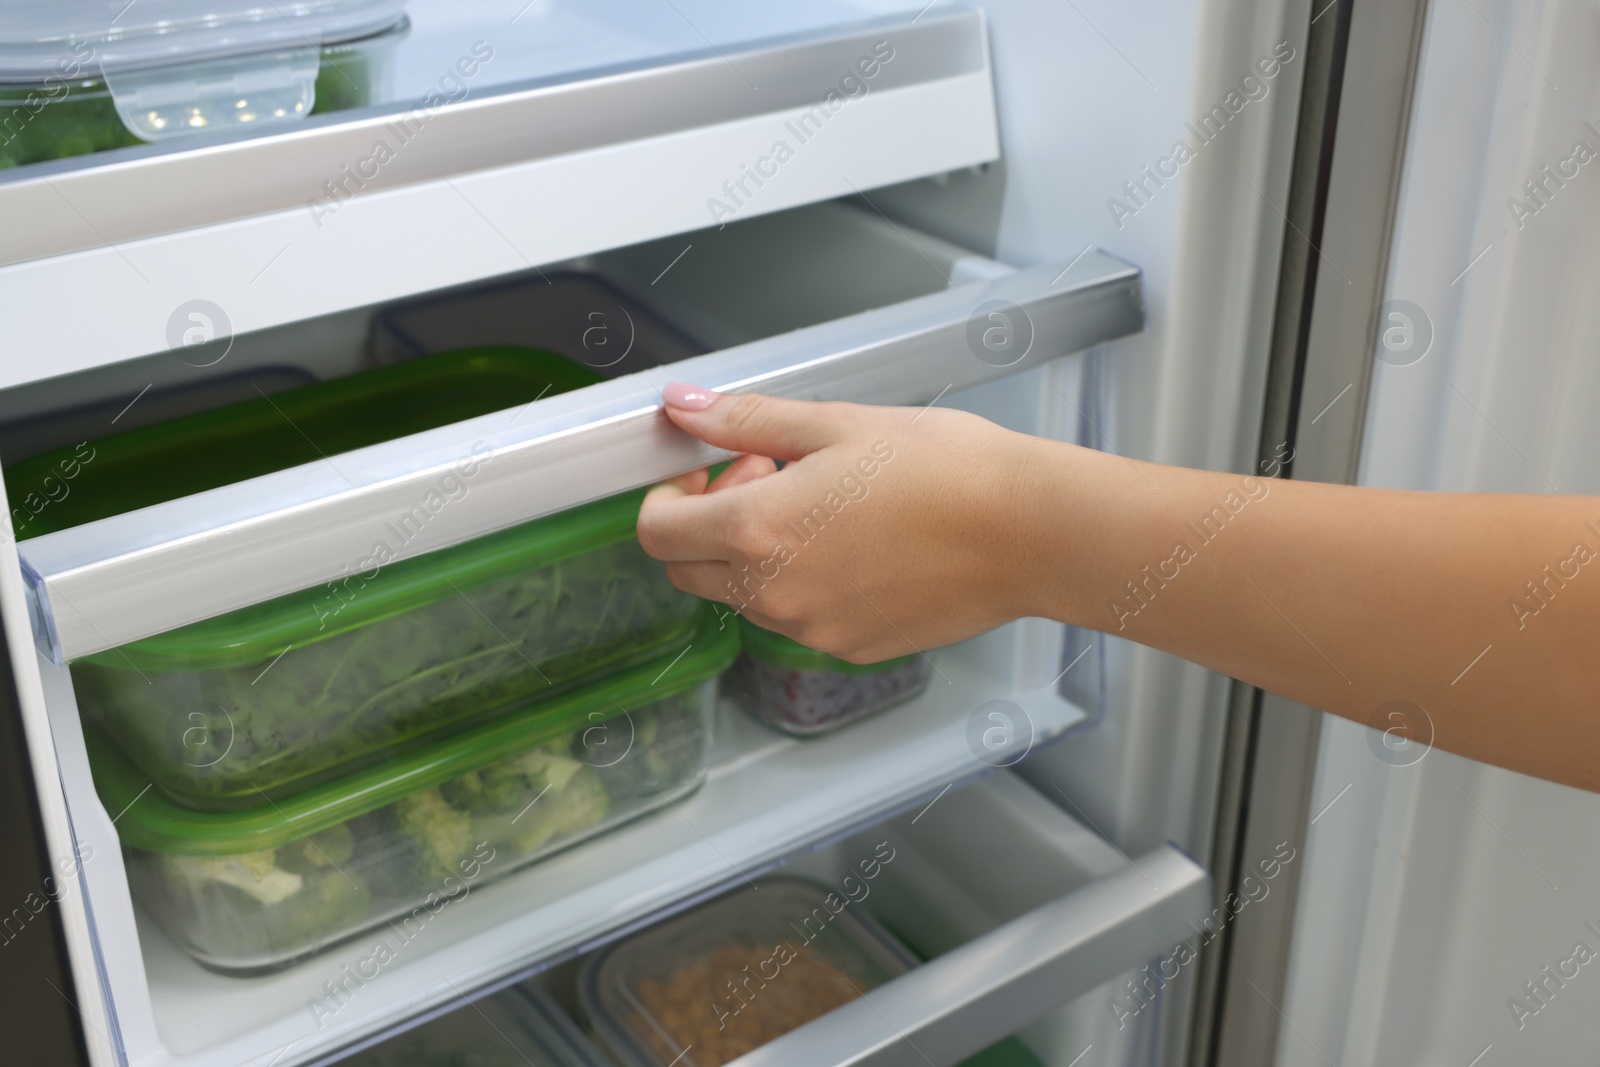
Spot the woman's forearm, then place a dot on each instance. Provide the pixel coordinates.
(1481, 610)
(1465, 621)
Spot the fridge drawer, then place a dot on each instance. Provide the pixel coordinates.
(1016, 907)
(106, 583)
(1020, 909)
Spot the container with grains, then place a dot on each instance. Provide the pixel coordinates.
(708, 986)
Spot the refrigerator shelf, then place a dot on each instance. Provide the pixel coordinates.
(580, 127)
(768, 799)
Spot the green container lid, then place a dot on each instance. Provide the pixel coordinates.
(774, 649)
(151, 821)
(174, 459)
(263, 631)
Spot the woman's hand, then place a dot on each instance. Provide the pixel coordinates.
(892, 530)
(888, 530)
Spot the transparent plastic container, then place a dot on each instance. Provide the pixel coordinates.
(707, 986)
(35, 37)
(77, 108)
(249, 891)
(515, 1028)
(581, 316)
(278, 697)
(803, 692)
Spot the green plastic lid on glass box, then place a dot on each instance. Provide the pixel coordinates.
(279, 696)
(805, 692)
(396, 842)
(781, 651)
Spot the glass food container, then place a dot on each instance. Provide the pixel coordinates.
(515, 1028)
(705, 987)
(281, 696)
(250, 891)
(801, 691)
(153, 33)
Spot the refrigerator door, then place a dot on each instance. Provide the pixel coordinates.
(1446, 908)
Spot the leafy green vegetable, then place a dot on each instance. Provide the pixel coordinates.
(35, 126)
(322, 709)
(343, 81)
(39, 122)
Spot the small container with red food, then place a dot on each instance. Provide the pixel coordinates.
(801, 691)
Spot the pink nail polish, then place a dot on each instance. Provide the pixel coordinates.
(688, 397)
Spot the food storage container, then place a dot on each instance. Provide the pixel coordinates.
(280, 696)
(25, 437)
(802, 691)
(395, 843)
(34, 37)
(581, 316)
(53, 121)
(515, 1028)
(74, 105)
(705, 987)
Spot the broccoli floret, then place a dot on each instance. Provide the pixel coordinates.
(442, 834)
(330, 904)
(464, 792)
(330, 847)
(254, 873)
(580, 804)
(668, 748)
(247, 904)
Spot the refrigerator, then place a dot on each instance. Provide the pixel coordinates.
(1320, 240)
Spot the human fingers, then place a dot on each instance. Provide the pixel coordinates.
(742, 471)
(677, 527)
(753, 423)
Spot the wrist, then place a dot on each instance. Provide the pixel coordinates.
(1063, 506)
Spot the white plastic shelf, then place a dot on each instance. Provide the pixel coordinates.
(642, 142)
(768, 797)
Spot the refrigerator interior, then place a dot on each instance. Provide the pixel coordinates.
(1088, 97)
(768, 794)
(983, 855)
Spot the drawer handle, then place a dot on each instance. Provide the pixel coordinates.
(988, 988)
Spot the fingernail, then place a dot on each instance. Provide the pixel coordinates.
(688, 397)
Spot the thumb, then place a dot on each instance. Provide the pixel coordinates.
(750, 422)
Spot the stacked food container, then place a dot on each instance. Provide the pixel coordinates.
(297, 771)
